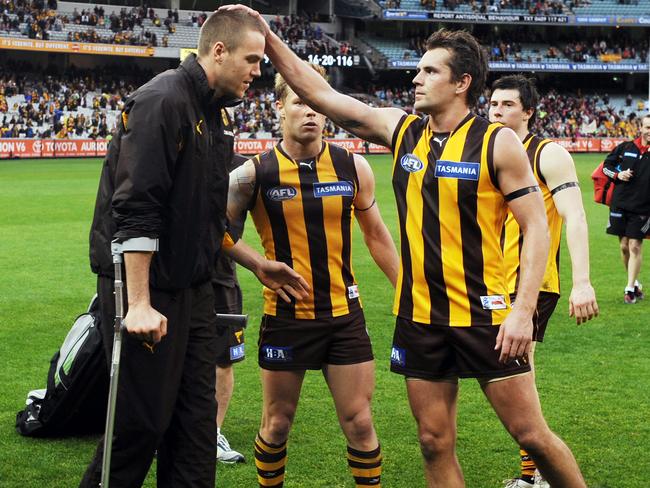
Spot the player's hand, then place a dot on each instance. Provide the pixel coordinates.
(582, 303)
(283, 280)
(625, 175)
(251, 12)
(515, 337)
(146, 323)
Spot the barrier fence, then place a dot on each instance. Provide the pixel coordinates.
(82, 148)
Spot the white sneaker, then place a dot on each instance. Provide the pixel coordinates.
(227, 455)
(540, 482)
(517, 483)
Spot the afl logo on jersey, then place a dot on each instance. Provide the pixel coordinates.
(279, 193)
(411, 163)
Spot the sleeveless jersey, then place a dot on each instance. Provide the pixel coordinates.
(513, 238)
(451, 214)
(303, 213)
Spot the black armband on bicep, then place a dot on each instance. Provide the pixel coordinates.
(356, 209)
(564, 186)
(521, 192)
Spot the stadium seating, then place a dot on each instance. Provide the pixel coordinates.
(618, 7)
(560, 115)
(400, 50)
(185, 33)
(587, 7)
(47, 111)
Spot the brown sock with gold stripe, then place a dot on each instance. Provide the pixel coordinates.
(365, 467)
(527, 467)
(270, 460)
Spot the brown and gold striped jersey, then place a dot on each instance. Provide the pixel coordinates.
(303, 213)
(451, 214)
(513, 238)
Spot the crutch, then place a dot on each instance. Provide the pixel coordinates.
(116, 251)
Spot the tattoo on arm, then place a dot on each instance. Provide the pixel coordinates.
(245, 183)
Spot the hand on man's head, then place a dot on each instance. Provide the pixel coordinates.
(251, 12)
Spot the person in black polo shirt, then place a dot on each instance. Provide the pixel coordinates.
(628, 165)
(162, 194)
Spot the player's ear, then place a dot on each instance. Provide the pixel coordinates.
(219, 51)
(464, 83)
(279, 106)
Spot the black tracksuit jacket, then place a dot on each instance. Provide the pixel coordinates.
(166, 176)
(634, 195)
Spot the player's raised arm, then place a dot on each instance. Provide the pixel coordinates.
(518, 185)
(556, 165)
(372, 124)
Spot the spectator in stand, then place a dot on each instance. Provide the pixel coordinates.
(297, 32)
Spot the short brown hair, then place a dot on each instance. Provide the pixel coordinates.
(528, 94)
(281, 85)
(467, 57)
(225, 26)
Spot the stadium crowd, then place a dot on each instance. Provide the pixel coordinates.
(304, 38)
(528, 45)
(78, 104)
(574, 116)
(37, 13)
(534, 7)
(128, 26)
(82, 104)
(256, 116)
(578, 51)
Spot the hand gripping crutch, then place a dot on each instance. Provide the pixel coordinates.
(116, 251)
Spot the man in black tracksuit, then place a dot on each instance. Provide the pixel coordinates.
(628, 165)
(162, 194)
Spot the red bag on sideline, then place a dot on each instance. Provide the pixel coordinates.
(603, 186)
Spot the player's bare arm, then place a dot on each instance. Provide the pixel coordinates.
(375, 233)
(518, 185)
(558, 169)
(372, 124)
(273, 274)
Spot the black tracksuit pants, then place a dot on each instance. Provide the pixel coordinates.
(166, 399)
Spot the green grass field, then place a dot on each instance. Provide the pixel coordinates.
(594, 380)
